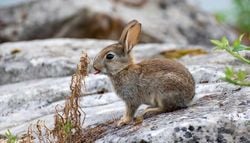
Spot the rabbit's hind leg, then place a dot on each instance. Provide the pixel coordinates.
(151, 111)
(150, 106)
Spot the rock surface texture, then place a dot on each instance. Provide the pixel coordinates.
(179, 21)
(57, 57)
(35, 78)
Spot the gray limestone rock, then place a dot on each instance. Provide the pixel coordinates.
(20, 61)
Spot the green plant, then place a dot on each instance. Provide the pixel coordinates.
(235, 77)
(220, 17)
(242, 14)
(10, 137)
(236, 15)
(67, 127)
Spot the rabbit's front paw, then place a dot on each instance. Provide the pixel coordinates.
(124, 121)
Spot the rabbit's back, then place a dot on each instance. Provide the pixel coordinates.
(164, 77)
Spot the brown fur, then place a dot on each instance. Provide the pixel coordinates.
(164, 84)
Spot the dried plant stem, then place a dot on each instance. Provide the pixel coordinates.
(68, 124)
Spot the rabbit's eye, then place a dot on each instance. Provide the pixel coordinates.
(109, 56)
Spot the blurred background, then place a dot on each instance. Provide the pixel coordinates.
(185, 22)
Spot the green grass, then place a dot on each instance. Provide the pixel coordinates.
(10, 137)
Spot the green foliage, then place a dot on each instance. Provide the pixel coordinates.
(242, 14)
(234, 49)
(239, 77)
(220, 17)
(237, 15)
(10, 137)
(67, 127)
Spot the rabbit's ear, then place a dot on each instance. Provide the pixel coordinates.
(130, 35)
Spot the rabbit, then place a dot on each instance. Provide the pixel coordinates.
(163, 84)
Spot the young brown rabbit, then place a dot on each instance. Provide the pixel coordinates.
(165, 85)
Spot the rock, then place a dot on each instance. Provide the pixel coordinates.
(220, 111)
(217, 118)
(39, 98)
(38, 59)
(179, 21)
(20, 61)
